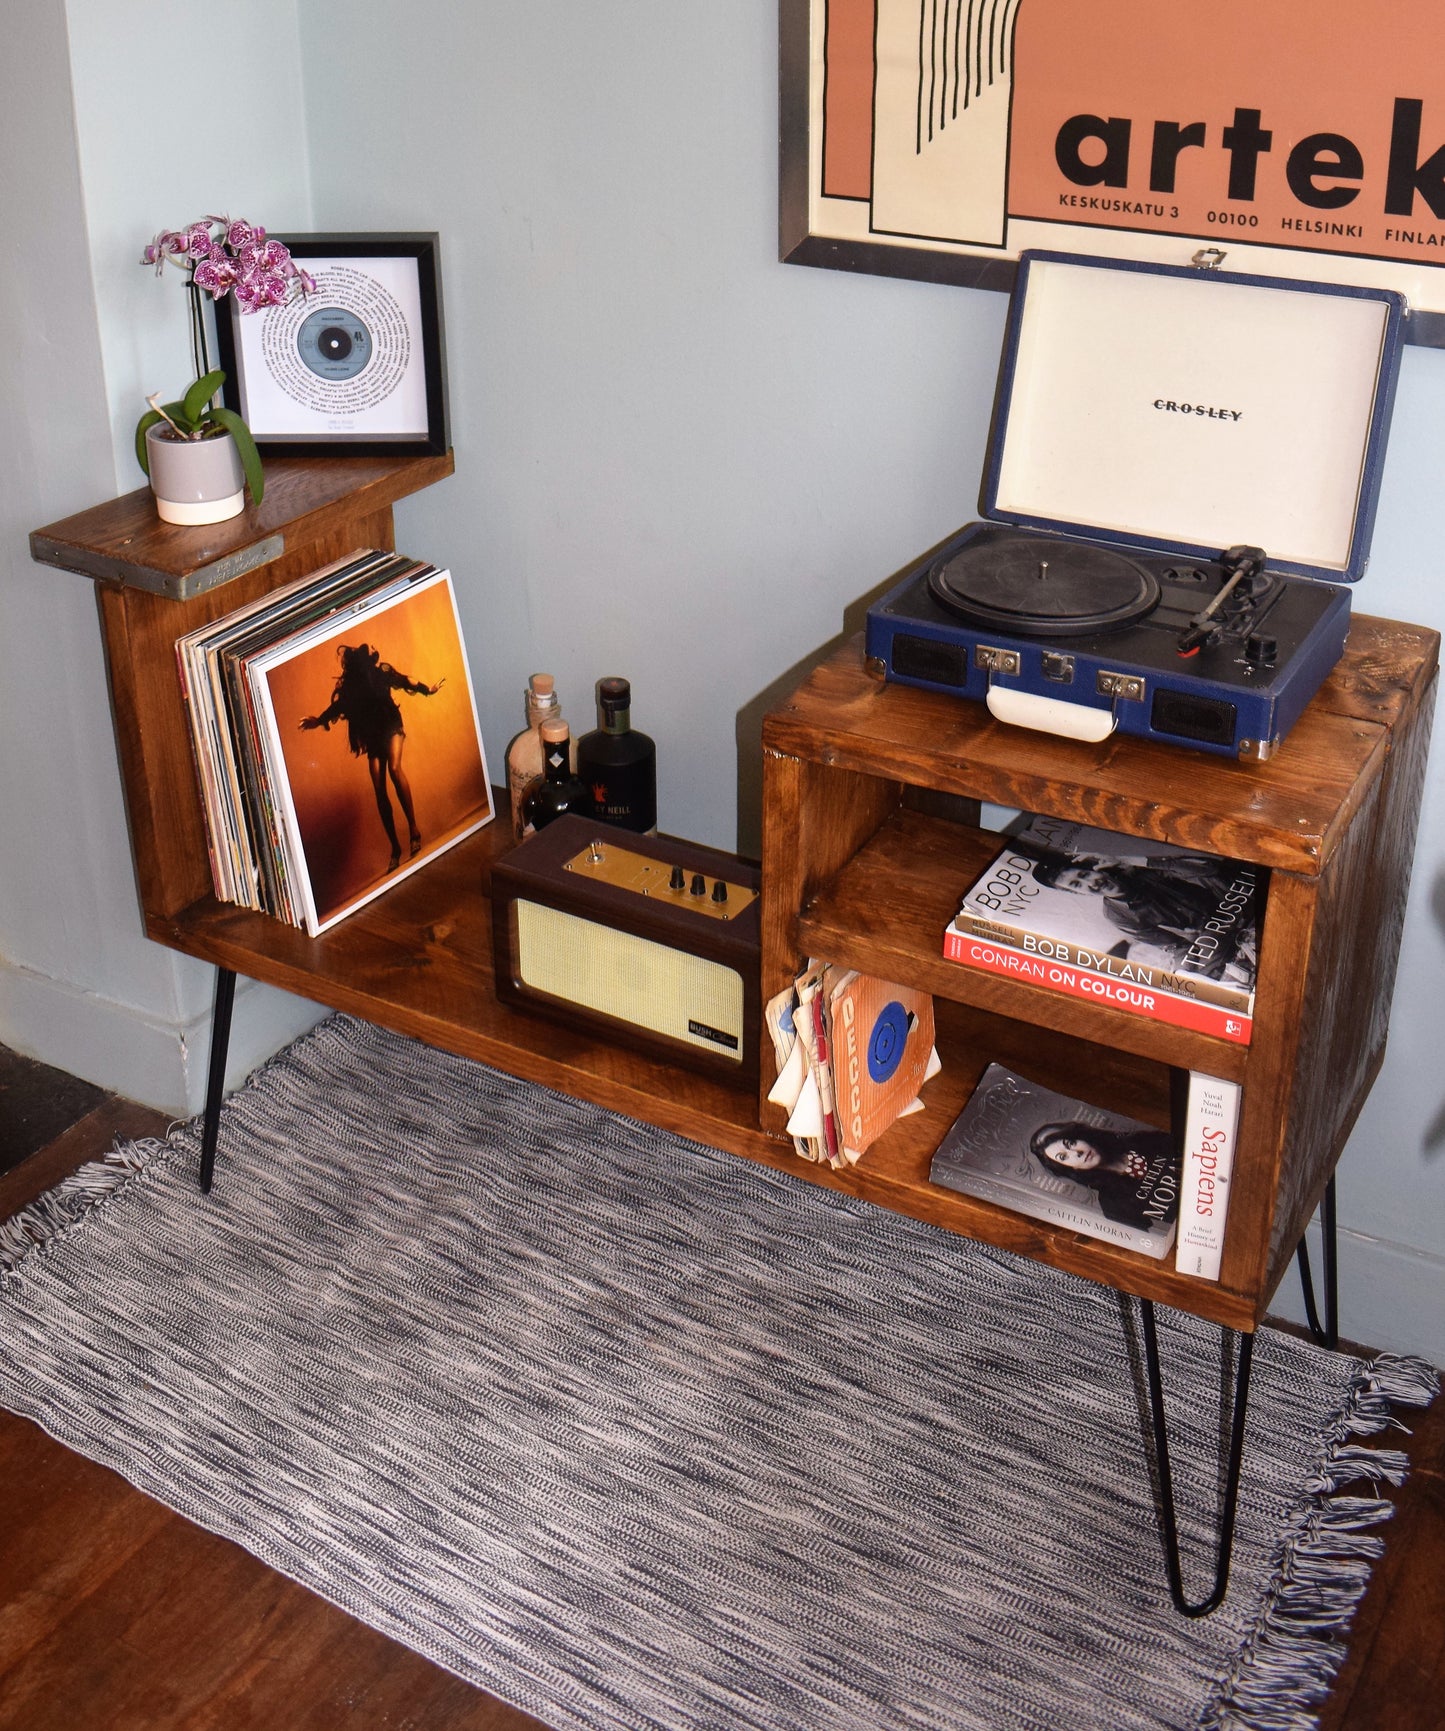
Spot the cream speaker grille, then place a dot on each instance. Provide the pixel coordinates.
(646, 942)
(617, 974)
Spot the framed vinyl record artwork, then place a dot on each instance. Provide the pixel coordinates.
(354, 368)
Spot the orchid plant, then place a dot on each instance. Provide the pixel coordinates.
(220, 257)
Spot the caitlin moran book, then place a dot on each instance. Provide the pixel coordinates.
(1143, 926)
(1058, 1159)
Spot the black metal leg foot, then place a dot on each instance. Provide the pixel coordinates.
(1166, 1481)
(216, 1075)
(1329, 1335)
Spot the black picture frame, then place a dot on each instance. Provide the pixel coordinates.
(292, 406)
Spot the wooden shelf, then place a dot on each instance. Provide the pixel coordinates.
(418, 959)
(870, 838)
(885, 912)
(306, 499)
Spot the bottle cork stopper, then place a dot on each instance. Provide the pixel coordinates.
(543, 684)
(554, 732)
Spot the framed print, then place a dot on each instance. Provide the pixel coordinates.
(355, 368)
(939, 139)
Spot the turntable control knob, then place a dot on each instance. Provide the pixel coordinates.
(678, 880)
(699, 884)
(1261, 651)
(719, 891)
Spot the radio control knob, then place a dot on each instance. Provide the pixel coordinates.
(678, 880)
(719, 891)
(699, 884)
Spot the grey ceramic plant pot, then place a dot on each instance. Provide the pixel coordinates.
(195, 480)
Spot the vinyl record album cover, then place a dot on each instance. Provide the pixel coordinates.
(371, 730)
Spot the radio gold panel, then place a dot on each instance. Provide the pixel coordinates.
(717, 898)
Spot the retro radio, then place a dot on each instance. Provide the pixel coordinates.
(1183, 470)
(645, 940)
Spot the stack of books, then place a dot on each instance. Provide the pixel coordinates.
(1136, 925)
(335, 736)
(852, 1053)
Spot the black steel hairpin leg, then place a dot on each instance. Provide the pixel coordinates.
(1166, 1482)
(216, 1076)
(1329, 1335)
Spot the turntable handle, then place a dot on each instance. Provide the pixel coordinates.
(1049, 714)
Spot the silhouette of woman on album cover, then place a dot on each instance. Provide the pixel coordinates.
(362, 697)
(1124, 1168)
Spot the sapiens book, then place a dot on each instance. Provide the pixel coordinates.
(1211, 1124)
(1055, 1158)
(1163, 922)
(373, 752)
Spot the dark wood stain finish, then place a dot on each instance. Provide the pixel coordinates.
(1332, 815)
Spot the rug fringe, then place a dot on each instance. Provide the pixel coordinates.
(38, 1224)
(1288, 1661)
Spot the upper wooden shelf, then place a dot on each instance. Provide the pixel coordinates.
(1289, 812)
(124, 542)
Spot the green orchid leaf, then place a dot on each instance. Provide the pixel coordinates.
(147, 420)
(199, 396)
(246, 445)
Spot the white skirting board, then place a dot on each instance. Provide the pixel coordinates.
(132, 1052)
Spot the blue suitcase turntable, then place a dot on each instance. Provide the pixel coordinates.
(1182, 477)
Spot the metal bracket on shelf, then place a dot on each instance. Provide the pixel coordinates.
(1168, 1522)
(216, 1075)
(1329, 1335)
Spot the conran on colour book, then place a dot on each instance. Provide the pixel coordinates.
(1055, 1158)
(1145, 926)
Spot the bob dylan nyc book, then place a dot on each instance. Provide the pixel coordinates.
(1143, 914)
(1055, 1158)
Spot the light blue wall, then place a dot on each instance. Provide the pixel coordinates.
(677, 459)
(116, 121)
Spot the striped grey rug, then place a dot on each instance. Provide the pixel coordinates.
(636, 1434)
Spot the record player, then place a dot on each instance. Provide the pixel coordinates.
(1181, 480)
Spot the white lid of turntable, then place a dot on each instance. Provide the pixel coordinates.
(1105, 426)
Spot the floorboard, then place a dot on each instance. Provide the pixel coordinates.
(115, 1612)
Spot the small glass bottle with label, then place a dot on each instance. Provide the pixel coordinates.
(559, 791)
(618, 764)
(524, 753)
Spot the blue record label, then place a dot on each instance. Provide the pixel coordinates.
(887, 1041)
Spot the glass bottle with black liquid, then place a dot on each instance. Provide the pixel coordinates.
(618, 764)
(559, 791)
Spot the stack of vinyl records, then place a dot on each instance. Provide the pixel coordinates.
(852, 1053)
(319, 788)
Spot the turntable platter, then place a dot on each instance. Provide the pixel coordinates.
(1041, 587)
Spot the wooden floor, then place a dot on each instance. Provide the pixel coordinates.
(116, 1615)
